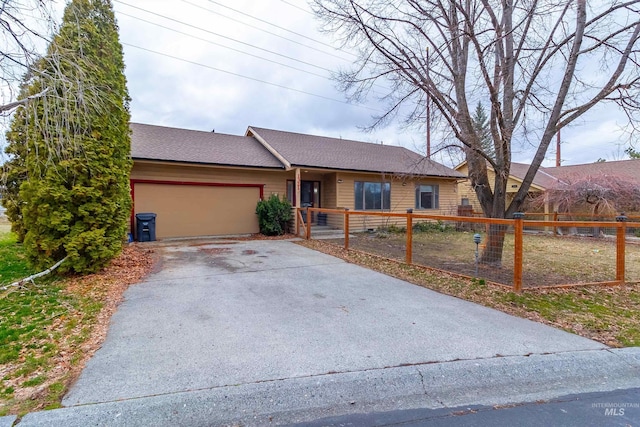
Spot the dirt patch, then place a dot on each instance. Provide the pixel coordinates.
(249, 252)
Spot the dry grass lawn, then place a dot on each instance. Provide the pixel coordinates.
(50, 328)
(548, 260)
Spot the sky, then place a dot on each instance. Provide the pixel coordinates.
(230, 64)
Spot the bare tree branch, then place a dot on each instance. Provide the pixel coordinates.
(12, 105)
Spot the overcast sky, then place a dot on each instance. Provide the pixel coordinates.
(230, 64)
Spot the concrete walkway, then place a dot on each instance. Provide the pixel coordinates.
(269, 331)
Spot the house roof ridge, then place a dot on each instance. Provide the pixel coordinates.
(187, 130)
(332, 138)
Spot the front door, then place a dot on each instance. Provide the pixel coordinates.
(309, 195)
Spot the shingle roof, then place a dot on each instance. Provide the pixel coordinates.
(625, 169)
(542, 178)
(181, 145)
(332, 153)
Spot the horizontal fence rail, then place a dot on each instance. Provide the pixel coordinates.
(519, 253)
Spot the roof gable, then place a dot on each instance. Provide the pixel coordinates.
(541, 180)
(302, 150)
(181, 145)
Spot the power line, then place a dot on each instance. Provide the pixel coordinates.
(228, 38)
(223, 46)
(297, 7)
(278, 26)
(248, 77)
(224, 37)
(265, 31)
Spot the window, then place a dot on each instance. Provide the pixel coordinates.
(372, 195)
(427, 197)
(291, 192)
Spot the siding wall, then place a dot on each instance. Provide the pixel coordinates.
(275, 182)
(334, 194)
(402, 198)
(466, 191)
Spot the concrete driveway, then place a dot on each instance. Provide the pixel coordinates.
(228, 313)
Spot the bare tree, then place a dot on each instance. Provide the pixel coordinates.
(540, 63)
(25, 26)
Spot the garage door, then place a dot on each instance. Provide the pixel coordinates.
(195, 210)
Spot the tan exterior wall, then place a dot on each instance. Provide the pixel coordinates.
(402, 198)
(337, 189)
(185, 211)
(275, 182)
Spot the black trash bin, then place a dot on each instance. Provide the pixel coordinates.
(146, 227)
(322, 218)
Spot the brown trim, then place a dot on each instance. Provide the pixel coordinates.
(133, 182)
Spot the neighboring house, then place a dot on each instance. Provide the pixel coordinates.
(541, 182)
(548, 178)
(205, 183)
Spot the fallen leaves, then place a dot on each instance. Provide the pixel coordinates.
(77, 331)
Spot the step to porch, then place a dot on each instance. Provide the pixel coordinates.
(324, 232)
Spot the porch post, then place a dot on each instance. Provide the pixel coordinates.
(297, 193)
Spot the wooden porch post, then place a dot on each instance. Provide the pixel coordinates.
(297, 195)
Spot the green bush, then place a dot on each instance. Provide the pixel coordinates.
(393, 228)
(273, 215)
(426, 227)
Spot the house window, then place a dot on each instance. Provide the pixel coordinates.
(465, 201)
(427, 197)
(372, 195)
(291, 192)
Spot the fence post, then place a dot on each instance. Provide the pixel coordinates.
(346, 228)
(555, 219)
(297, 214)
(308, 224)
(620, 246)
(518, 227)
(409, 236)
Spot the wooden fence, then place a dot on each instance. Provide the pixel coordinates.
(516, 224)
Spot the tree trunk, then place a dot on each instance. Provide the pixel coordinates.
(594, 217)
(492, 253)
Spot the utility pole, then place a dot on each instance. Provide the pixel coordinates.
(428, 112)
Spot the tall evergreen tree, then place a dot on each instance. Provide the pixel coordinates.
(74, 198)
(480, 123)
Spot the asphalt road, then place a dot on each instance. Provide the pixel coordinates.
(615, 408)
(269, 332)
